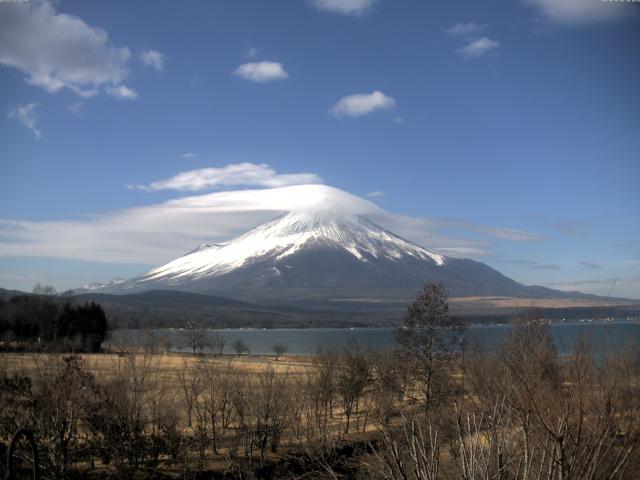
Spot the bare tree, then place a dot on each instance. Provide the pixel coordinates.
(427, 337)
(167, 343)
(44, 290)
(64, 393)
(218, 342)
(353, 377)
(540, 416)
(316, 390)
(279, 350)
(389, 380)
(194, 337)
(188, 379)
(240, 346)
(409, 451)
(216, 395)
(262, 412)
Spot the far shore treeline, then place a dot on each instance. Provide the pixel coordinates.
(47, 322)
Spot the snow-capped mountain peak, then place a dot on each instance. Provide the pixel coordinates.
(327, 250)
(287, 235)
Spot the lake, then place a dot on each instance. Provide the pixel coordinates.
(299, 341)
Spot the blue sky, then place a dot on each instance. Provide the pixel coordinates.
(505, 131)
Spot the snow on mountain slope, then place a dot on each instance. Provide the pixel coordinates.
(287, 235)
(325, 249)
(96, 286)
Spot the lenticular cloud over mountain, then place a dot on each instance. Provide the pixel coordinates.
(154, 234)
(324, 247)
(297, 198)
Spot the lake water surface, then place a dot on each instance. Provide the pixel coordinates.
(600, 335)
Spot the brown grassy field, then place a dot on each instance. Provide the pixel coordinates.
(351, 414)
(463, 303)
(167, 365)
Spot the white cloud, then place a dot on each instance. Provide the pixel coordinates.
(261, 72)
(362, 104)
(465, 29)
(122, 92)
(244, 174)
(477, 48)
(157, 233)
(189, 155)
(345, 7)
(581, 11)
(27, 116)
(57, 51)
(153, 59)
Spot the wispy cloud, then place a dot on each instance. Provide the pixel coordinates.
(122, 92)
(504, 233)
(360, 104)
(465, 29)
(533, 265)
(575, 12)
(153, 59)
(252, 52)
(344, 7)
(189, 155)
(570, 228)
(156, 233)
(237, 174)
(76, 107)
(580, 283)
(628, 287)
(261, 72)
(526, 263)
(545, 266)
(57, 51)
(27, 116)
(591, 265)
(463, 252)
(478, 47)
(376, 194)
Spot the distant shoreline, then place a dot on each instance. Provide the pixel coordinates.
(585, 322)
(607, 335)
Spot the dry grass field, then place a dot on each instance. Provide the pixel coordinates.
(249, 396)
(166, 365)
(464, 303)
(521, 411)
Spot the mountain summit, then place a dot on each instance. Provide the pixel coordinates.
(288, 236)
(322, 253)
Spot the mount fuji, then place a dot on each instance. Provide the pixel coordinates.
(322, 253)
